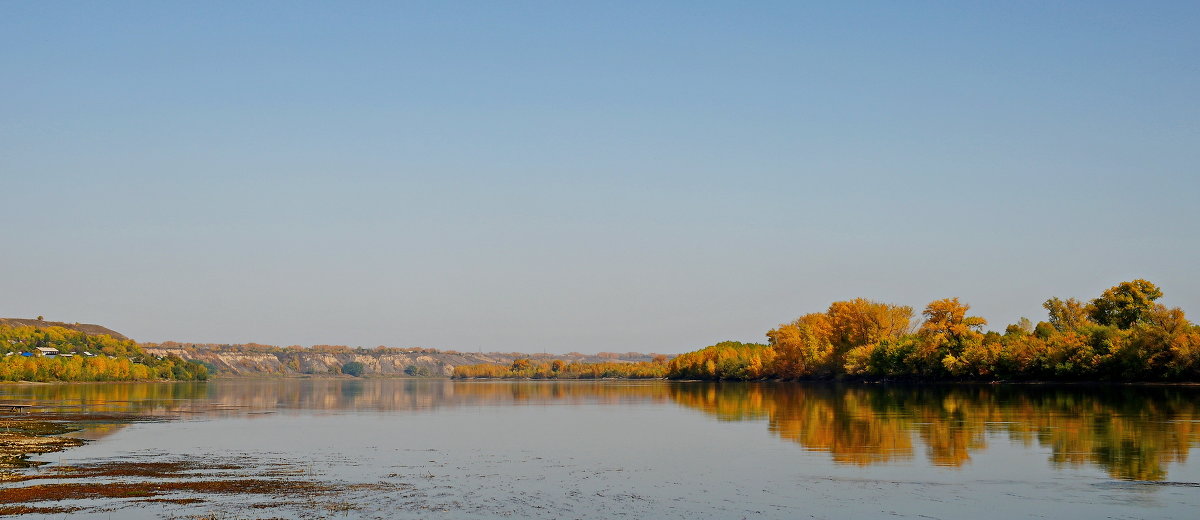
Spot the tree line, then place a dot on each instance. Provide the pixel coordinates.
(1122, 335)
(92, 358)
(258, 348)
(524, 368)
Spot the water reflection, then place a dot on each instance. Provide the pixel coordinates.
(1132, 433)
(327, 394)
(144, 398)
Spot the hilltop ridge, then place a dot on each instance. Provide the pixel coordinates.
(86, 328)
(252, 359)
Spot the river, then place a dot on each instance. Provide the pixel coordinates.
(397, 448)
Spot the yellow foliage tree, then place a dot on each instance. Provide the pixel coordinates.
(945, 333)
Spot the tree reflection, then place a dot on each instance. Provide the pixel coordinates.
(238, 396)
(1133, 433)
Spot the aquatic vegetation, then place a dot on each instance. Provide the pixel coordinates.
(182, 482)
(21, 438)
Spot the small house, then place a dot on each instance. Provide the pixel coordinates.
(46, 351)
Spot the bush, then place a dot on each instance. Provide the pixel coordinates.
(353, 368)
(416, 371)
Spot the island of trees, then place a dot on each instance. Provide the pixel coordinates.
(1122, 335)
(84, 357)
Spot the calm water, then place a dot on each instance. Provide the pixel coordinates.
(667, 450)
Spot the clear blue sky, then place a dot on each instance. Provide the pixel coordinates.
(570, 176)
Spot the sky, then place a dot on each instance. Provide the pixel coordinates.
(586, 176)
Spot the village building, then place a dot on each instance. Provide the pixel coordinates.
(46, 351)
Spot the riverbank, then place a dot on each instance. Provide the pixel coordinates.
(44, 429)
(25, 436)
(29, 486)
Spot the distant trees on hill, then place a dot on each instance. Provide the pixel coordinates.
(559, 369)
(84, 357)
(417, 371)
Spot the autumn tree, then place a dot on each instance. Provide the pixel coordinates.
(1069, 314)
(858, 326)
(803, 347)
(1161, 344)
(860, 322)
(727, 360)
(946, 332)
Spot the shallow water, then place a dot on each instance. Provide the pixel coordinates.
(445, 449)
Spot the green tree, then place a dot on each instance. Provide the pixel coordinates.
(353, 368)
(1125, 304)
(416, 371)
